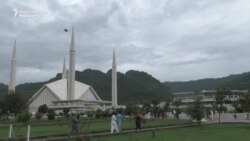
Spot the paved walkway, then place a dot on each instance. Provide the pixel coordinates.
(108, 133)
(229, 117)
(225, 117)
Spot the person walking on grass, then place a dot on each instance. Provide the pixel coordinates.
(119, 118)
(235, 116)
(74, 125)
(114, 124)
(138, 121)
(247, 116)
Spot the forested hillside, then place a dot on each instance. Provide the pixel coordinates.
(238, 81)
(133, 86)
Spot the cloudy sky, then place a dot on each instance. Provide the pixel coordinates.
(173, 40)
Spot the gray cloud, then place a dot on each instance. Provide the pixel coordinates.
(172, 40)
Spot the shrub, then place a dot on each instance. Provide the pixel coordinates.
(51, 114)
(38, 116)
(98, 113)
(43, 109)
(24, 116)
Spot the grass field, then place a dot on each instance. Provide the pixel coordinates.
(215, 132)
(54, 128)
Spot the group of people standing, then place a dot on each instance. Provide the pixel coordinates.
(116, 122)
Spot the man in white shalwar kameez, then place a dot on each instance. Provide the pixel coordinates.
(114, 124)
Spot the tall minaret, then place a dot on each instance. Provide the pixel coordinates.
(64, 70)
(114, 81)
(12, 83)
(71, 74)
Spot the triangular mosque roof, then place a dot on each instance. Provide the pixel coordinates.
(59, 88)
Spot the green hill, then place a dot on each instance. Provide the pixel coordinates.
(238, 81)
(2, 86)
(133, 86)
(145, 87)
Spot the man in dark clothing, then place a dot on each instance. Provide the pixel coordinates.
(235, 116)
(138, 120)
(74, 125)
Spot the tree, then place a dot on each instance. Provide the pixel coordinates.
(237, 106)
(196, 110)
(13, 103)
(51, 114)
(1, 109)
(177, 103)
(245, 102)
(156, 109)
(146, 107)
(98, 113)
(155, 103)
(166, 106)
(220, 97)
(43, 109)
(24, 116)
(132, 109)
(66, 113)
(38, 116)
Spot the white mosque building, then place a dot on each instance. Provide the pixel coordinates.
(68, 93)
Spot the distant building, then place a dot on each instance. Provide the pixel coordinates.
(208, 97)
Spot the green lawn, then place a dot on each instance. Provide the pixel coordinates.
(53, 128)
(215, 132)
